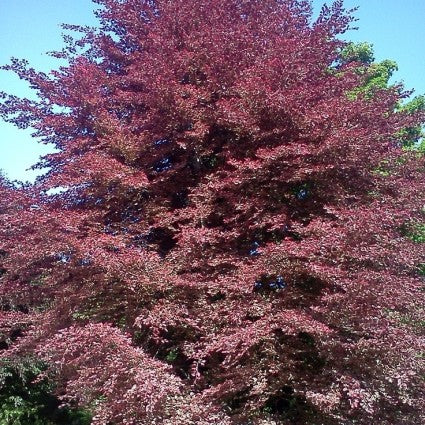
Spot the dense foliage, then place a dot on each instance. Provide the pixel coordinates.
(25, 399)
(232, 238)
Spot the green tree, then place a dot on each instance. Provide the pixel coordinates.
(377, 76)
(413, 137)
(26, 400)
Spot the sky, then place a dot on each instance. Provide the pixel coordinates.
(30, 28)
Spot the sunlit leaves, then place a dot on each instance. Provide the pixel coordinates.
(233, 227)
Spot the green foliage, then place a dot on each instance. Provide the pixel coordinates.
(413, 319)
(24, 400)
(376, 77)
(413, 137)
(358, 52)
(414, 230)
(416, 104)
(382, 170)
(418, 234)
(172, 355)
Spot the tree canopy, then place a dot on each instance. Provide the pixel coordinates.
(227, 233)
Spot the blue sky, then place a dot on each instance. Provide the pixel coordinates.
(29, 28)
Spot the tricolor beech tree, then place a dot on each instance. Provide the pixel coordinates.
(232, 238)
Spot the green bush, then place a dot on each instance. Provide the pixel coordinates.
(26, 400)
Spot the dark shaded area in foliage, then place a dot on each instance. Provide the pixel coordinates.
(24, 400)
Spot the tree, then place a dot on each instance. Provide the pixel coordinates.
(222, 248)
(376, 76)
(24, 400)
